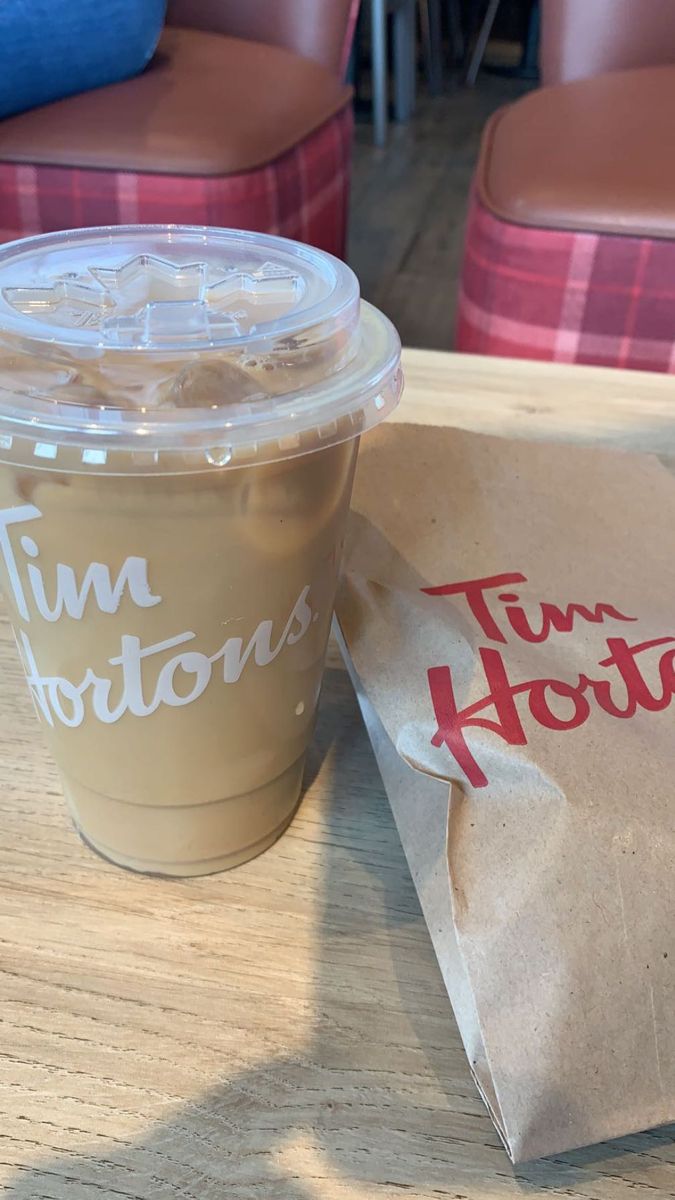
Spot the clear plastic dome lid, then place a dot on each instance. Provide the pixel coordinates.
(193, 346)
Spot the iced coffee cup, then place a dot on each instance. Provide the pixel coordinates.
(180, 412)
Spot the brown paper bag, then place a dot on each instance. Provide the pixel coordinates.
(543, 696)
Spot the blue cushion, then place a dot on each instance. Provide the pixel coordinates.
(53, 48)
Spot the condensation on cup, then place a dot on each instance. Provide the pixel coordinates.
(180, 412)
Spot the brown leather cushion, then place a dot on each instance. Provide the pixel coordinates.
(580, 38)
(590, 155)
(206, 105)
(313, 28)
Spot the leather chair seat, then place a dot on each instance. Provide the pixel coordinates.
(592, 155)
(207, 105)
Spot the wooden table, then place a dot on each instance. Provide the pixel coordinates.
(278, 1032)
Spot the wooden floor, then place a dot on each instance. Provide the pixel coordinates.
(408, 208)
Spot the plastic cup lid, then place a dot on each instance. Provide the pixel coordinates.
(186, 345)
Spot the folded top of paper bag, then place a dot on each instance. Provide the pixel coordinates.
(509, 610)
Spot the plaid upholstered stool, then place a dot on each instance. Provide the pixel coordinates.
(570, 245)
(219, 130)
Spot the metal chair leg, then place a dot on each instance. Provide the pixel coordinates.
(481, 42)
(405, 54)
(432, 41)
(457, 48)
(380, 84)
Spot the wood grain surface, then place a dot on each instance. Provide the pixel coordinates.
(506, 397)
(280, 1032)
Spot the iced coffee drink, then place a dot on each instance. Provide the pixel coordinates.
(180, 412)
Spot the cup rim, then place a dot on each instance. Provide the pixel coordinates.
(360, 387)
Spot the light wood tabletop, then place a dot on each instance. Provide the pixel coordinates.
(626, 410)
(280, 1031)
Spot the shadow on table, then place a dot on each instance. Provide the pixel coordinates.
(325, 1122)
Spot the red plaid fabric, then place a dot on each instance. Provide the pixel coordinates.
(303, 194)
(602, 299)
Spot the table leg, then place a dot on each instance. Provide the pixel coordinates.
(378, 37)
(405, 56)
